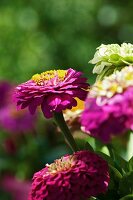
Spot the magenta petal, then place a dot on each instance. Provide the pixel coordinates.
(53, 101)
(46, 110)
(33, 105)
(110, 119)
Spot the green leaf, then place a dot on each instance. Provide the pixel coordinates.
(119, 162)
(80, 143)
(117, 175)
(126, 184)
(127, 197)
(112, 192)
(98, 145)
(88, 146)
(83, 144)
(105, 157)
(130, 164)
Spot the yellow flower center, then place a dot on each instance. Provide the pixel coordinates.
(48, 75)
(61, 165)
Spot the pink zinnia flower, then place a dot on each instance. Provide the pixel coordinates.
(109, 106)
(16, 121)
(54, 90)
(5, 89)
(72, 177)
(17, 188)
(11, 120)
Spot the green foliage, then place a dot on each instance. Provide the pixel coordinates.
(130, 164)
(36, 36)
(126, 184)
(5, 196)
(120, 163)
(121, 177)
(121, 173)
(83, 144)
(128, 197)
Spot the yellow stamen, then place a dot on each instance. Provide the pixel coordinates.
(48, 75)
(61, 165)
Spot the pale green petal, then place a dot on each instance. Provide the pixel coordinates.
(99, 68)
(112, 55)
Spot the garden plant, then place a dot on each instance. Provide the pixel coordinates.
(95, 168)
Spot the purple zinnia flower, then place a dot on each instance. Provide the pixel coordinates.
(12, 120)
(109, 106)
(17, 188)
(5, 89)
(76, 176)
(54, 90)
(16, 121)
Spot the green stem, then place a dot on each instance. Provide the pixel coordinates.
(59, 119)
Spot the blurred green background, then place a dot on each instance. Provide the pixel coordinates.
(36, 36)
(39, 35)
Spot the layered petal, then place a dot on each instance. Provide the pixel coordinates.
(76, 176)
(54, 90)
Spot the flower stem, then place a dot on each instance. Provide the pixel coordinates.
(59, 119)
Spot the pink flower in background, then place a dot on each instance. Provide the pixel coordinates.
(18, 189)
(11, 120)
(5, 89)
(72, 177)
(54, 90)
(16, 121)
(109, 106)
